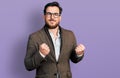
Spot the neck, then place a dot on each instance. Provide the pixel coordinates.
(54, 31)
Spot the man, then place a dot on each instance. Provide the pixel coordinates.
(50, 48)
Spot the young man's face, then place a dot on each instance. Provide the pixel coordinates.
(52, 17)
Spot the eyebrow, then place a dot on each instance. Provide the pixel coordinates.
(52, 12)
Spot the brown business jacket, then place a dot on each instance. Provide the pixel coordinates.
(48, 67)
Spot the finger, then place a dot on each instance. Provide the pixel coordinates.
(79, 49)
(82, 46)
(45, 45)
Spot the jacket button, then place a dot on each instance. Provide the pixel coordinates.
(55, 74)
(56, 62)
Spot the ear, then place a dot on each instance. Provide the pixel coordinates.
(60, 18)
(44, 17)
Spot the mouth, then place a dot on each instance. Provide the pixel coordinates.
(52, 21)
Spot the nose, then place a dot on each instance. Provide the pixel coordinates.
(52, 16)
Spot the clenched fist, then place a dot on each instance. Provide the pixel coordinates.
(80, 49)
(44, 49)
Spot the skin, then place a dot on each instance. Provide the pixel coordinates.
(53, 25)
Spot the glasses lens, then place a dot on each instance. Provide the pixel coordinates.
(54, 14)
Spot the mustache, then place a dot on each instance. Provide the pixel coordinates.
(51, 20)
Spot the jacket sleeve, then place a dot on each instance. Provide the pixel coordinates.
(33, 59)
(74, 58)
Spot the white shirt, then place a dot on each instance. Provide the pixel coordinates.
(56, 43)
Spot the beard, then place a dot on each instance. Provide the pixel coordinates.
(51, 26)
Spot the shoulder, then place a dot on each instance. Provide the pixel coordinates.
(37, 33)
(68, 35)
(66, 31)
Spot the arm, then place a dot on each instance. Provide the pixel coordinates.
(77, 51)
(33, 59)
(76, 58)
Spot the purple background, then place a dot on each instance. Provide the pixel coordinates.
(96, 24)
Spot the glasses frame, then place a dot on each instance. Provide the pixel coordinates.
(55, 15)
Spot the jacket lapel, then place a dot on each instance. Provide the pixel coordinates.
(49, 42)
(63, 42)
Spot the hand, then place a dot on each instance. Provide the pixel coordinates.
(44, 49)
(80, 49)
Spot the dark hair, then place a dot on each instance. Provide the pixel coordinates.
(53, 4)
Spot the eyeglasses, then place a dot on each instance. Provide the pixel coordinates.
(49, 14)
